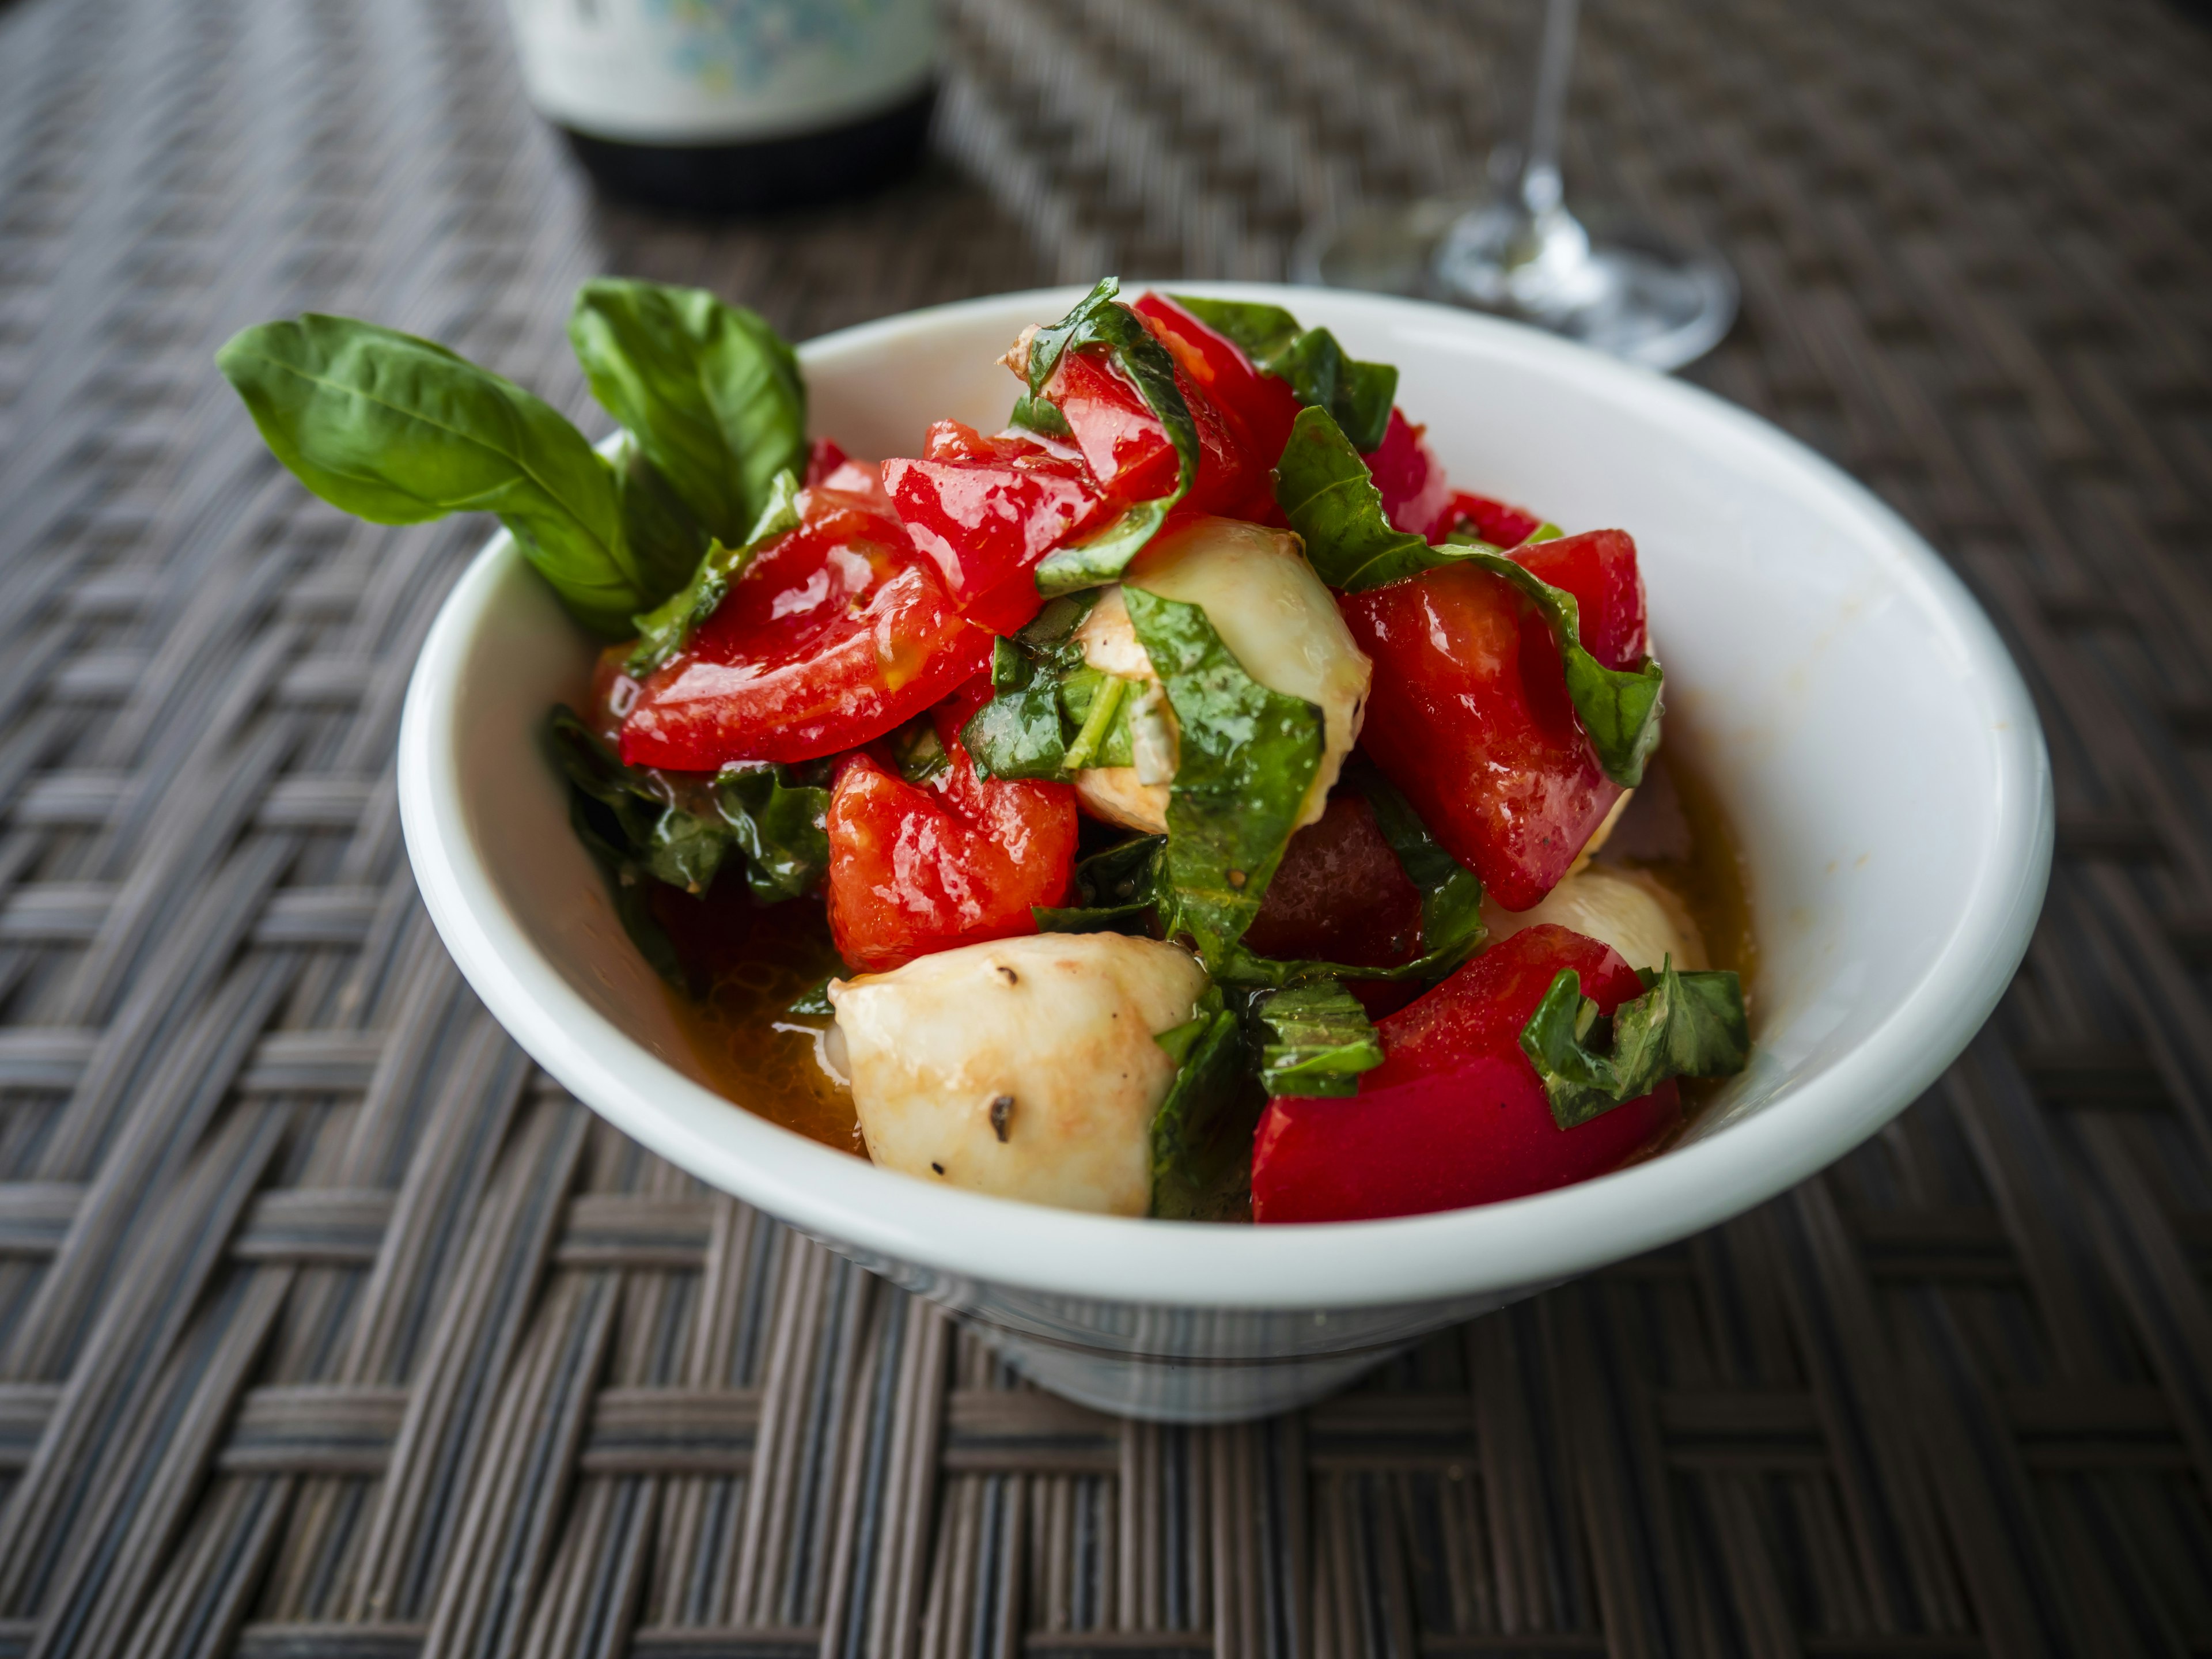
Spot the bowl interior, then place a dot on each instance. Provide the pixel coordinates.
(1865, 732)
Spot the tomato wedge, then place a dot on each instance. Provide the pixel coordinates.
(1497, 522)
(1455, 1113)
(1129, 449)
(837, 632)
(1469, 715)
(1410, 478)
(986, 510)
(1261, 406)
(957, 860)
(1340, 894)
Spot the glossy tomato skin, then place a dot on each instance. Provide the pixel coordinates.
(1409, 477)
(1456, 1114)
(985, 511)
(1493, 521)
(960, 859)
(1258, 404)
(1128, 448)
(1340, 894)
(1469, 715)
(837, 632)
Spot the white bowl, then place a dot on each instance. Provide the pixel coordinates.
(1866, 732)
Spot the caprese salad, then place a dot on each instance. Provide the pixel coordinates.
(1181, 802)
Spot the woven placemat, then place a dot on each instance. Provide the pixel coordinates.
(329, 1327)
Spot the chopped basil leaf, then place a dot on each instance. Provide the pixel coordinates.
(682, 828)
(813, 1003)
(1318, 1039)
(1200, 1137)
(668, 628)
(1683, 1025)
(1040, 413)
(1099, 706)
(1045, 696)
(779, 815)
(711, 394)
(398, 430)
(1247, 757)
(1329, 496)
(919, 751)
(1017, 734)
(1119, 890)
(1357, 394)
(1099, 319)
(1325, 490)
(1451, 894)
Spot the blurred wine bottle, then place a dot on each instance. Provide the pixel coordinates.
(734, 105)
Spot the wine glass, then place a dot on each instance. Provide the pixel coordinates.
(1623, 287)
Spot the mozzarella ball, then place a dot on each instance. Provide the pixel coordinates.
(1023, 1067)
(1628, 910)
(1276, 618)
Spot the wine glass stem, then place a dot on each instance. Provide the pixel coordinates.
(1527, 172)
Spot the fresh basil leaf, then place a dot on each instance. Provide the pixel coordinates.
(1098, 319)
(628, 887)
(1451, 894)
(1199, 1137)
(1247, 757)
(1683, 1025)
(1039, 414)
(778, 815)
(813, 1003)
(668, 627)
(664, 539)
(1359, 395)
(1318, 1039)
(399, 431)
(1019, 732)
(1326, 492)
(1119, 890)
(1102, 557)
(713, 395)
(918, 751)
(667, 824)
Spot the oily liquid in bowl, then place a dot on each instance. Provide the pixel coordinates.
(753, 961)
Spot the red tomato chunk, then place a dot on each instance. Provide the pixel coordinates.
(958, 860)
(1410, 479)
(1340, 894)
(1469, 714)
(987, 510)
(837, 632)
(1455, 1113)
(1493, 521)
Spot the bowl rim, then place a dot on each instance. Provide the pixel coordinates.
(1522, 1243)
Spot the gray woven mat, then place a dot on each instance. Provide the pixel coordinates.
(329, 1327)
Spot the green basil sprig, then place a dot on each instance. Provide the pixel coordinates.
(399, 431)
(642, 825)
(1684, 1024)
(1326, 491)
(712, 395)
(1359, 395)
(1200, 1136)
(667, 628)
(1098, 319)
(1318, 1039)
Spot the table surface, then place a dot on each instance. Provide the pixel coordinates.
(330, 1327)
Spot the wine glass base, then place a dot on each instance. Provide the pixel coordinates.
(1640, 296)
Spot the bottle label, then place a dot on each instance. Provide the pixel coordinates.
(720, 71)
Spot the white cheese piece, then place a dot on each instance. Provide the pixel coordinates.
(1278, 620)
(1625, 908)
(1023, 1067)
